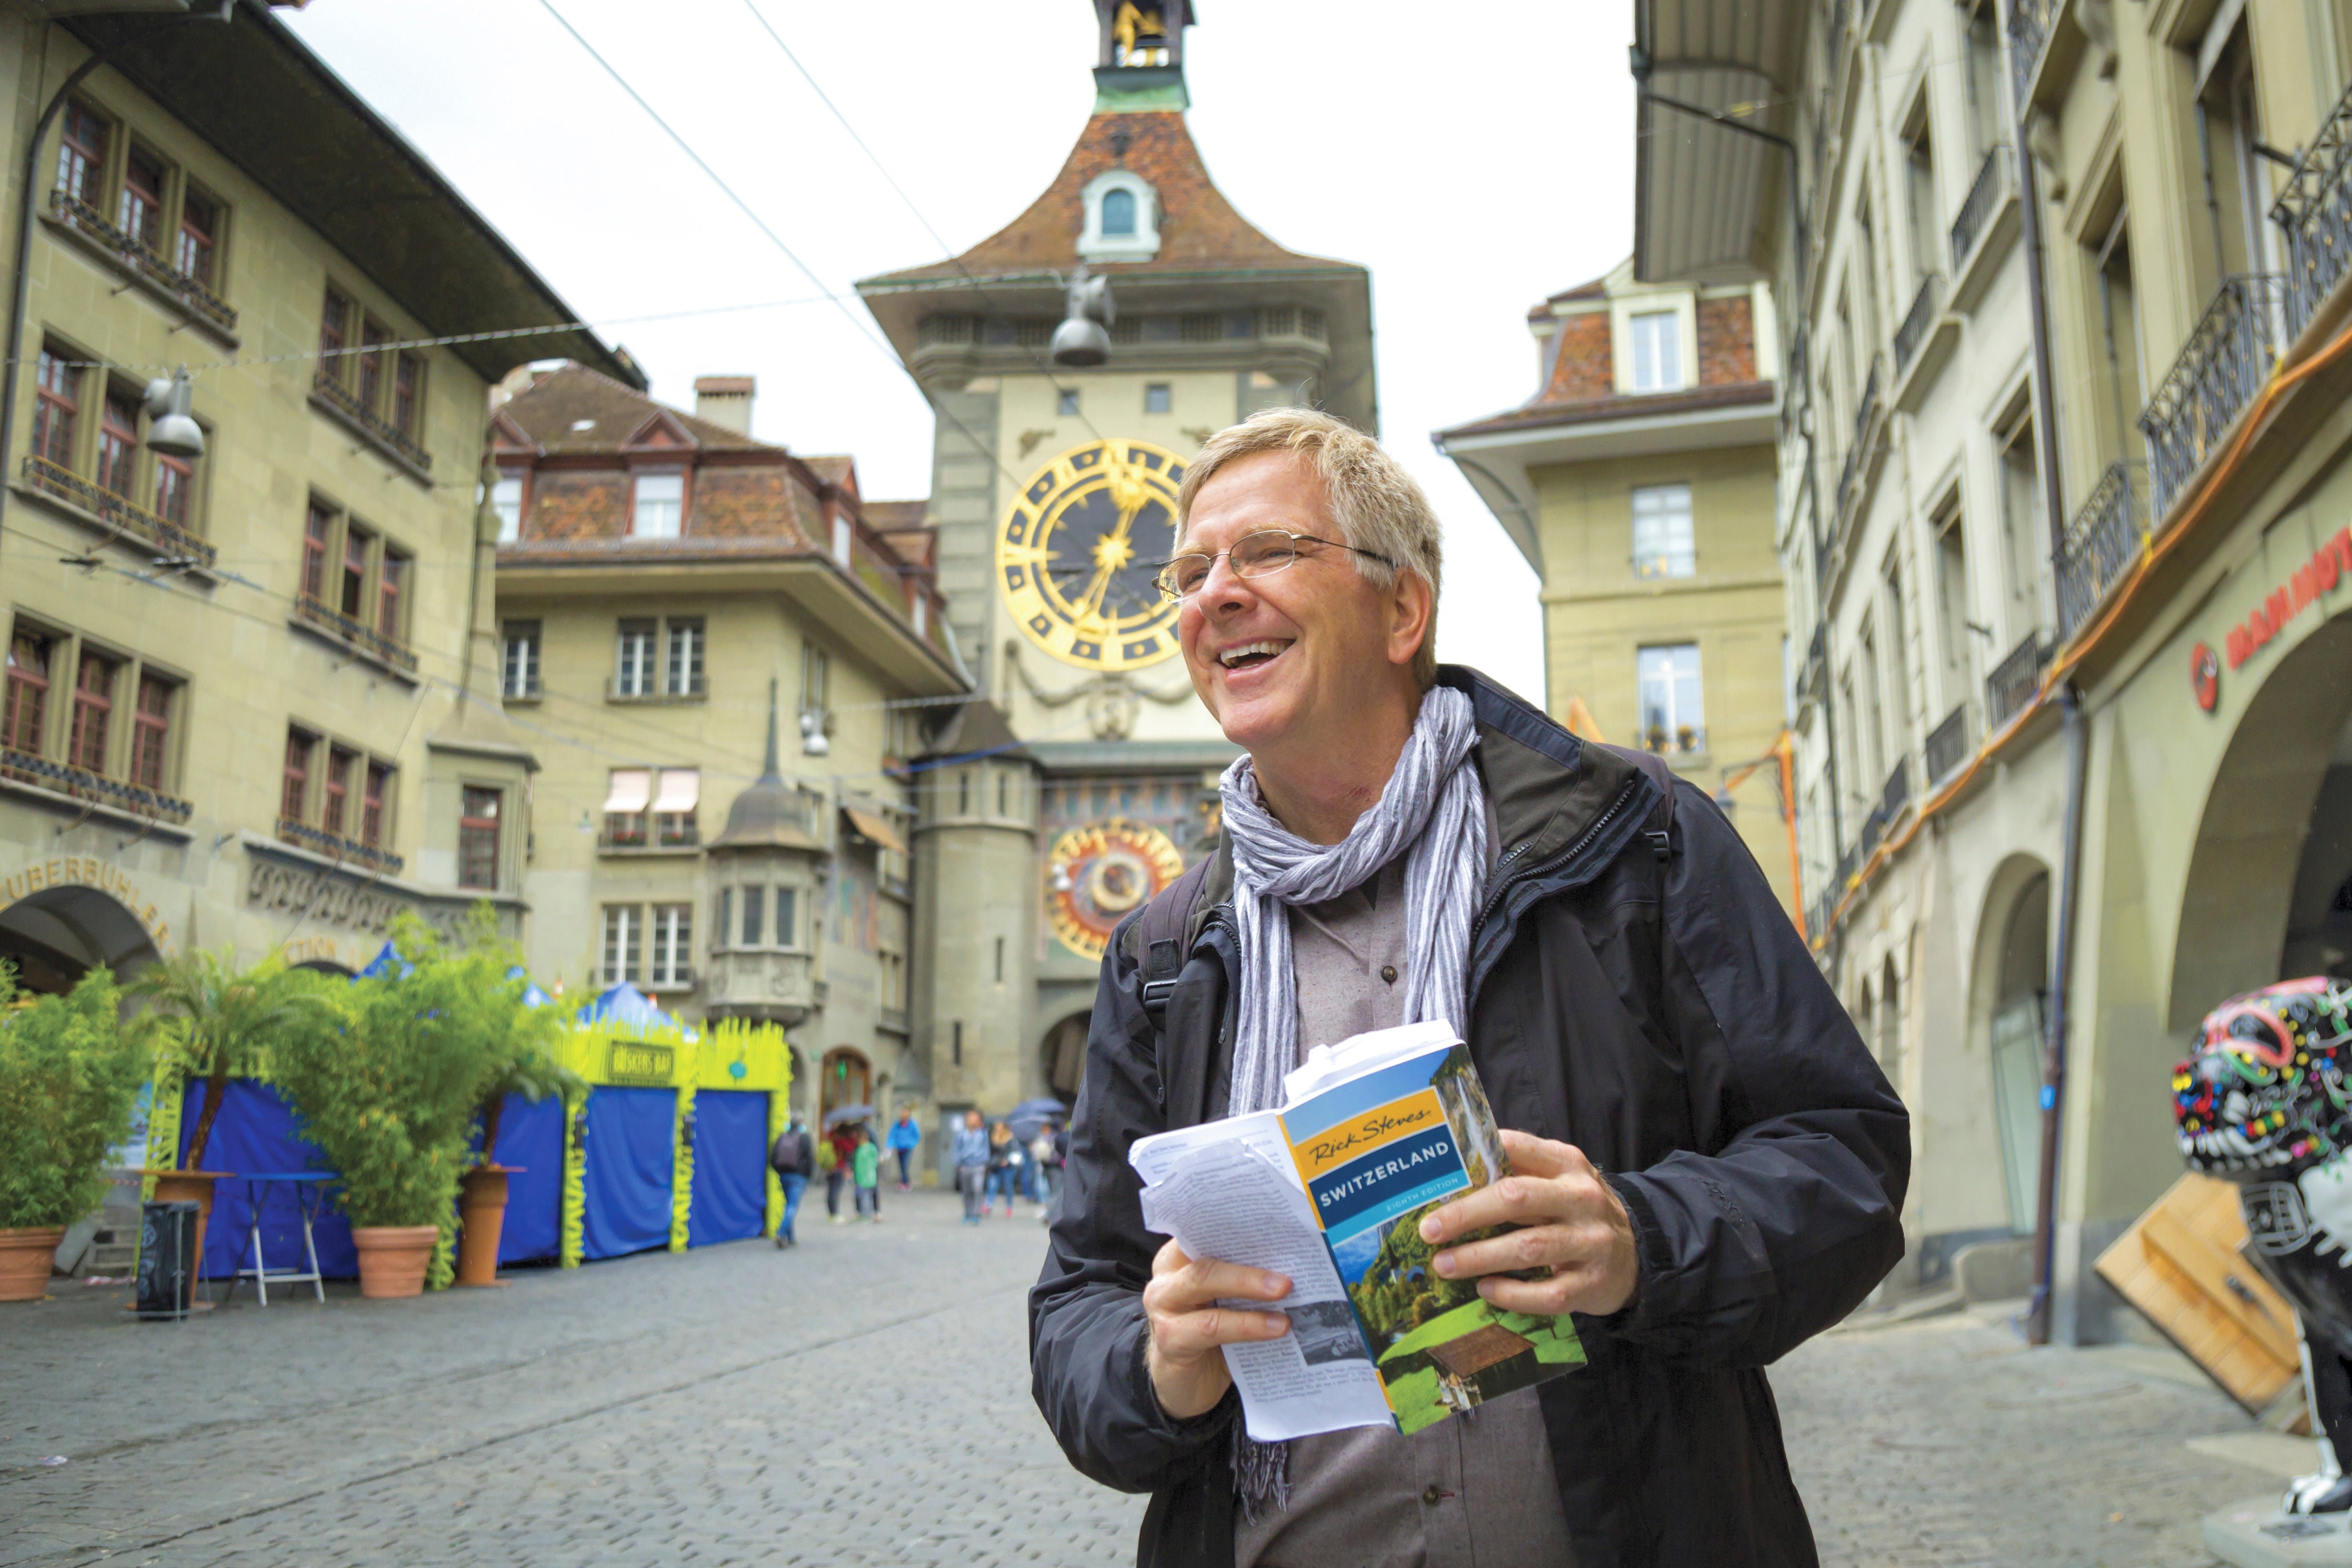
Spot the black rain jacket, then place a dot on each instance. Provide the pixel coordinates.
(1634, 990)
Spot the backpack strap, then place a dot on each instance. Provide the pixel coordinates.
(1158, 938)
(1660, 838)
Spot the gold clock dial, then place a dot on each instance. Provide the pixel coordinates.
(1097, 875)
(1076, 553)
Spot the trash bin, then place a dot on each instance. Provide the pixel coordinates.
(167, 1260)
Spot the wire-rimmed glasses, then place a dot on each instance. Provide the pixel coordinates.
(1259, 554)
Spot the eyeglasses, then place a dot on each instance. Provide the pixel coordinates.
(1260, 555)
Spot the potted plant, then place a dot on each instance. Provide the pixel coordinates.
(390, 1095)
(525, 1065)
(68, 1074)
(211, 1020)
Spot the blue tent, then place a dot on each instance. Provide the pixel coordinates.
(258, 1130)
(385, 964)
(624, 1004)
(629, 1140)
(729, 1197)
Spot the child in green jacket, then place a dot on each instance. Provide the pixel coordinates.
(866, 1170)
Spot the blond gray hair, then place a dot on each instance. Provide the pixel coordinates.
(1377, 505)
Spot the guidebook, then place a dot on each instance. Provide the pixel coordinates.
(1329, 1190)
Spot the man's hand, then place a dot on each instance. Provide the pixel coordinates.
(1569, 1221)
(1187, 1328)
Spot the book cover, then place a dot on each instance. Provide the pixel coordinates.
(1377, 1149)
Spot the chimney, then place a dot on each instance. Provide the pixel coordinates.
(725, 401)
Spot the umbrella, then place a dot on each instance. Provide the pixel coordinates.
(840, 1114)
(1028, 1117)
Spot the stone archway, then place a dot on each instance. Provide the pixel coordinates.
(2244, 901)
(2008, 980)
(846, 1078)
(53, 937)
(1062, 1056)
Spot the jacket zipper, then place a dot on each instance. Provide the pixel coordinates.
(1506, 880)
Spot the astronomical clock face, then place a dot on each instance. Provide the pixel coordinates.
(1077, 550)
(1097, 875)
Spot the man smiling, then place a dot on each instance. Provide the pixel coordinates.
(1708, 1166)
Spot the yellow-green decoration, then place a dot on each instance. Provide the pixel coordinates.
(575, 1179)
(681, 1168)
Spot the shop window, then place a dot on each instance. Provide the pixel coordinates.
(294, 779)
(23, 719)
(1673, 716)
(118, 442)
(139, 213)
(81, 153)
(57, 404)
(1662, 545)
(93, 711)
(150, 736)
(477, 838)
(519, 674)
(624, 930)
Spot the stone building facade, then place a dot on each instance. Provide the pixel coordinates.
(250, 696)
(2061, 511)
(1638, 482)
(728, 657)
(1085, 780)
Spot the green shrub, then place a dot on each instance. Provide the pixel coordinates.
(69, 1073)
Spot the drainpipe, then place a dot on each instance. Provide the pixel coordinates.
(2045, 413)
(27, 204)
(2053, 1040)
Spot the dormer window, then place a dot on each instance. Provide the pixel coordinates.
(1118, 214)
(1122, 216)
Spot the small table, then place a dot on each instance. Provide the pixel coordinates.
(310, 1192)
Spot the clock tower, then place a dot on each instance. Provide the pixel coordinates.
(1053, 490)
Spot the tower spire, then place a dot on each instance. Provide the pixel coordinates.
(1140, 62)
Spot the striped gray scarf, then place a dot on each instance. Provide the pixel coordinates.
(1433, 812)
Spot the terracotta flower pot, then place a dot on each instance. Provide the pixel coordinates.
(482, 1216)
(393, 1257)
(24, 1259)
(189, 1187)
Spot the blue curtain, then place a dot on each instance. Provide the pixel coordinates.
(531, 1135)
(257, 1131)
(730, 1200)
(630, 1162)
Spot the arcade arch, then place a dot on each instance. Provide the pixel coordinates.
(53, 937)
(1062, 1056)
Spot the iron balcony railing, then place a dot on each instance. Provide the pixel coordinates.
(1816, 677)
(79, 215)
(83, 785)
(335, 847)
(666, 830)
(1917, 320)
(2227, 359)
(1850, 861)
(1792, 382)
(332, 392)
(1896, 792)
(2314, 211)
(1865, 427)
(1874, 828)
(2015, 681)
(352, 630)
(1818, 916)
(1947, 745)
(1992, 183)
(2030, 23)
(166, 537)
(2102, 540)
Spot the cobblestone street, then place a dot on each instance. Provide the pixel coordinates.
(865, 1400)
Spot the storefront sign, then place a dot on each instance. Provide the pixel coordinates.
(321, 897)
(2327, 566)
(82, 871)
(628, 1061)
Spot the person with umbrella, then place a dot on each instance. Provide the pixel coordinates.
(841, 1137)
(1035, 1123)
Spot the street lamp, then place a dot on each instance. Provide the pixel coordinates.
(1080, 340)
(173, 433)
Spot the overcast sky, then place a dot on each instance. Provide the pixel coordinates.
(1476, 158)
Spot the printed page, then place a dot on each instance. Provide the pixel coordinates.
(1236, 1199)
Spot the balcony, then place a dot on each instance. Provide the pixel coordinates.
(1923, 343)
(1874, 828)
(2015, 680)
(1895, 794)
(652, 695)
(335, 847)
(329, 394)
(169, 540)
(2227, 359)
(136, 800)
(143, 265)
(1849, 865)
(2315, 213)
(1988, 221)
(355, 634)
(2030, 24)
(2102, 540)
(769, 984)
(1860, 459)
(1947, 745)
(671, 831)
(893, 1019)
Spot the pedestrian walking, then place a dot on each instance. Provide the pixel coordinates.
(794, 1159)
(1052, 1150)
(1041, 1165)
(1003, 1162)
(971, 1166)
(840, 1144)
(905, 1139)
(1708, 1166)
(865, 1171)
